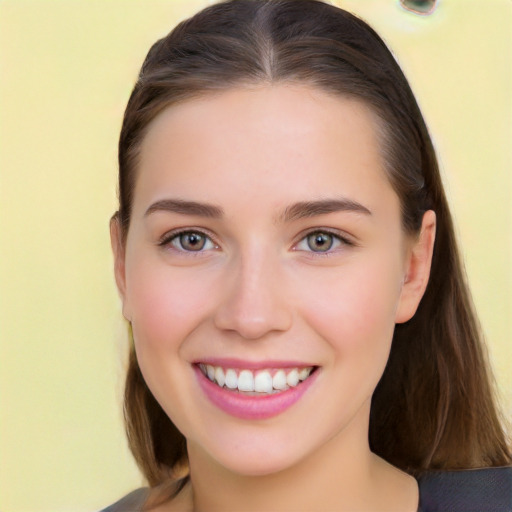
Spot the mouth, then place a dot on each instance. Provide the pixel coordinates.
(267, 381)
(257, 392)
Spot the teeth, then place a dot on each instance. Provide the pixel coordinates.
(231, 379)
(219, 376)
(304, 373)
(246, 381)
(292, 379)
(261, 382)
(279, 380)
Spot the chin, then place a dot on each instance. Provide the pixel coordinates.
(250, 455)
(258, 466)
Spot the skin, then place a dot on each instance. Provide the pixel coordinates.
(258, 291)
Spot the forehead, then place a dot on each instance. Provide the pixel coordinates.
(285, 141)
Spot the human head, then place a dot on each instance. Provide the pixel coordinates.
(251, 42)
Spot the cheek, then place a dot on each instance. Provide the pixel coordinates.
(165, 303)
(355, 308)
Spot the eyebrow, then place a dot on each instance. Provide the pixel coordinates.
(307, 209)
(186, 208)
(296, 211)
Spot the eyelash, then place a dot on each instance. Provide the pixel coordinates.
(168, 239)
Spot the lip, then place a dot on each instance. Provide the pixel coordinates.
(250, 407)
(239, 364)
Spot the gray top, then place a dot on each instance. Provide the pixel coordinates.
(472, 490)
(132, 502)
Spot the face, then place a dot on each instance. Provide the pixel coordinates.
(265, 254)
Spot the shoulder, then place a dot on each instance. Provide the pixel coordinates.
(132, 502)
(485, 490)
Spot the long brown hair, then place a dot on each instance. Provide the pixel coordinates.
(434, 406)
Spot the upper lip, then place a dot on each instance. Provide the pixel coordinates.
(252, 365)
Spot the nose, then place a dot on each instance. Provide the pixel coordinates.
(254, 300)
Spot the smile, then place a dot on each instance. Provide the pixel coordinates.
(267, 381)
(254, 394)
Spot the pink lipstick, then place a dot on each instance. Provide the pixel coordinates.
(251, 404)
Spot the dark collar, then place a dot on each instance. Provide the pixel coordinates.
(471, 490)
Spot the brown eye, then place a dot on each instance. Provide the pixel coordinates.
(189, 241)
(323, 242)
(320, 242)
(192, 241)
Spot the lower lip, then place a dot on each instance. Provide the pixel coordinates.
(250, 407)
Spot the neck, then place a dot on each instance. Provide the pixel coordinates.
(342, 474)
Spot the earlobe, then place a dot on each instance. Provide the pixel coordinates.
(118, 250)
(417, 273)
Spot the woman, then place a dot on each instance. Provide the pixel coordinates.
(303, 336)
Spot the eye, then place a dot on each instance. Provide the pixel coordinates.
(321, 242)
(189, 241)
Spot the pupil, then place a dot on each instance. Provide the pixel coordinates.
(320, 242)
(192, 241)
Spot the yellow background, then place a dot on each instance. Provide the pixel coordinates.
(67, 68)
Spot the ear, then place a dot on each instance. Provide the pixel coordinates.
(418, 262)
(118, 249)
